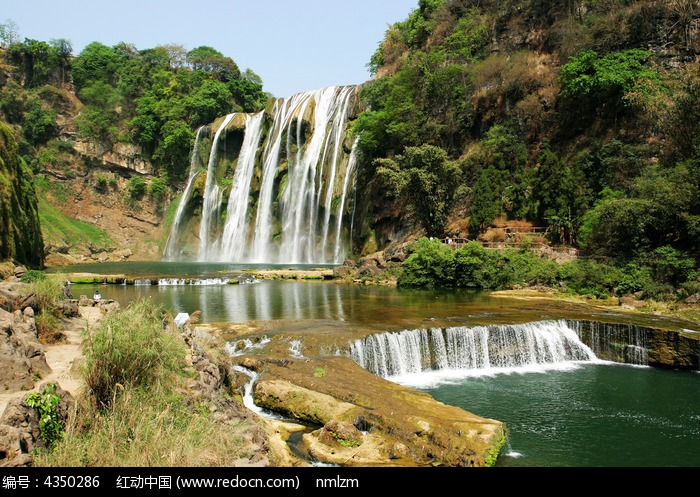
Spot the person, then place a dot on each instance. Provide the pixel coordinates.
(66, 290)
(97, 297)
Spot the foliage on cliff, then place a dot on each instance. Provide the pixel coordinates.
(155, 97)
(20, 231)
(577, 116)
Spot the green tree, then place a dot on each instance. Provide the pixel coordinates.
(207, 102)
(39, 123)
(486, 200)
(428, 180)
(207, 59)
(97, 62)
(39, 62)
(604, 81)
(174, 151)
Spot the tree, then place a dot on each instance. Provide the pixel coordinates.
(97, 62)
(9, 33)
(603, 81)
(207, 59)
(427, 180)
(64, 50)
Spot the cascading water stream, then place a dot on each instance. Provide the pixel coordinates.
(479, 348)
(212, 196)
(171, 244)
(234, 236)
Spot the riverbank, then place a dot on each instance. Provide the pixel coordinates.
(626, 305)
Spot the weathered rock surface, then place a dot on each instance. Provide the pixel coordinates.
(359, 419)
(21, 355)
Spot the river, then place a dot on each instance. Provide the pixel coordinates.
(574, 414)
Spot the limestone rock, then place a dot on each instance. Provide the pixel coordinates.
(21, 355)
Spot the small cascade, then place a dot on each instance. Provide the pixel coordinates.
(470, 348)
(625, 343)
(193, 281)
(248, 400)
(212, 196)
(171, 246)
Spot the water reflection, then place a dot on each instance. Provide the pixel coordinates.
(367, 307)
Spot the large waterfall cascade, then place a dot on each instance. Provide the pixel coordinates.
(478, 348)
(279, 194)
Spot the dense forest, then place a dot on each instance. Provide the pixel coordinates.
(581, 118)
(577, 116)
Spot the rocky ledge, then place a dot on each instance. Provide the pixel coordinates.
(349, 417)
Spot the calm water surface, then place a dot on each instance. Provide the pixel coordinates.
(587, 414)
(594, 415)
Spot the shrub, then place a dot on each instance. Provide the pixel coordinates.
(429, 264)
(46, 405)
(136, 187)
(132, 348)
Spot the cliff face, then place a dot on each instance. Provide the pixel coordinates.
(20, 230)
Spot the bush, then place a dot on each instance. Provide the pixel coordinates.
(478, 267)
(136, 187)
(131, 348)
(428, 265)
(46, 405)
(590, 278)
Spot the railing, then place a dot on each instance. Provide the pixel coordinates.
(509, 243)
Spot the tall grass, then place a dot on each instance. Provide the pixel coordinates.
(145, 428)
(132, 348)
(46, 292)
(135, 410)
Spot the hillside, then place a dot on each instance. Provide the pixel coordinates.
(574, 121)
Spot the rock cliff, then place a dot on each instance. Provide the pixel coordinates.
(20, 231)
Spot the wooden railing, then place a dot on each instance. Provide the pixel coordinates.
(510, 242)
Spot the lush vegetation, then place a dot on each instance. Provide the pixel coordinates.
(582, 128)
(433, 264)
(581, 118)
(135, 411)
(155, 97)
(20, 232)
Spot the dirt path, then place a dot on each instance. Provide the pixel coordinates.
(62, 357)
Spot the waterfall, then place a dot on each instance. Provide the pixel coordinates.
(171, 244)
(626, 343)
(470, 348)
(291, 179)
(234, 236)
(212, 195)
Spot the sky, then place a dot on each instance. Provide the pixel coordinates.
(293, 45)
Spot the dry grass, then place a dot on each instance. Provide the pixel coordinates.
(135, 411)
(147, 429)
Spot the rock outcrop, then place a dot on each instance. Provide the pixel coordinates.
(21, 353)
(359, 419)
(20, 232)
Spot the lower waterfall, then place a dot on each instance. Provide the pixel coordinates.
(478, 349)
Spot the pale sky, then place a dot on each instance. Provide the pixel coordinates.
(293, 45)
